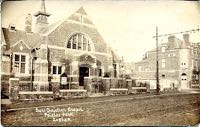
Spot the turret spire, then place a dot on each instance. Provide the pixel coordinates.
(42, 17)
(43, 8)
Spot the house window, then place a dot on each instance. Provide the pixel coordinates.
(183, 64)
(20, 63)
(57, 70)
(140, 68)
(74, 42)
(163, 64)
(79, 42)
(69, 44)
(162, 49)
(163, 75)
(115, 70)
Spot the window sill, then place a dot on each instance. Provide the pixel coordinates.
(22, 75)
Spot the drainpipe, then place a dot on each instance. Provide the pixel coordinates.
(32, 60)
(32, 70)
(199, 78)
(32, 73)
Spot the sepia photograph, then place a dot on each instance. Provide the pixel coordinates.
(100, 63)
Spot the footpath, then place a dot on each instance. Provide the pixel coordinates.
(90, 100)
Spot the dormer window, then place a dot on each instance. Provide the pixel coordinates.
(79, 42)
(81, 19)
(12, 27)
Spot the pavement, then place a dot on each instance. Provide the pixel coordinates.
(191, 90)
(90, 100)
(5, 101)
(140, 109)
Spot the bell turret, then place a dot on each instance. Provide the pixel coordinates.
(42, 18)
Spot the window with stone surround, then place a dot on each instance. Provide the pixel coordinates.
(162, 49)
(115, 69)
(79, 42)
(183, 64)
(20, 63)
(171, 55)
(163, 64)
(57, 70)
(140, 68)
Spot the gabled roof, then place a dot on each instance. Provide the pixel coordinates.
(81, 11)
(32, 40)
(116, 57)
(73, 17)
(51, 27)
(176, 43)
(3, 42)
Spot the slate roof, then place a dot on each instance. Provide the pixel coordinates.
(116, 57)
(12, 37)
(176, 44)
(50, 27)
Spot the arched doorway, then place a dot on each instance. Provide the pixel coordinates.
(85, 67)
(184, 84)
(84, 71)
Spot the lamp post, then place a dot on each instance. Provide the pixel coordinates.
(123, 74)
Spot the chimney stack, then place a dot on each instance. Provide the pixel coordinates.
(28, 23)
(171, 38)
(186, 38)
(12, 27)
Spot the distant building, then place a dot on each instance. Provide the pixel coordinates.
(72, 46)
(179, 64)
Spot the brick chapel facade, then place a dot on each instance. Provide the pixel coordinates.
(72, 46)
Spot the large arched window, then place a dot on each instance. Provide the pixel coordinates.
(80, 42)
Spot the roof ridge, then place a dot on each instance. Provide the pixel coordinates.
(81, 10)
(59, 22)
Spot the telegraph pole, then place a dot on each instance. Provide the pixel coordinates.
(157, 64)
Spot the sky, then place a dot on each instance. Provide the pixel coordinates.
(127, 26)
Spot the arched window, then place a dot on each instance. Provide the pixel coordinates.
(79, 42)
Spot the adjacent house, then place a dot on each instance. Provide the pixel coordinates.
(179, 64)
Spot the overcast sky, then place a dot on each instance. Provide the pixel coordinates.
(127, 26)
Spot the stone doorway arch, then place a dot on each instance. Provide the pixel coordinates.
(86, 67)
(184, 84)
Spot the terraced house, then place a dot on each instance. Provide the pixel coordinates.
(71, 47)
(179, 64)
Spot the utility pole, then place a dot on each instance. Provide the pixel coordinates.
(157, 64)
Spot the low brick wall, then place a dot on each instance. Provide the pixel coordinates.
(73, 93)
(88, 84)
(106, 85)
(114, 83)
(139, 89)
(35, 96)
(13, 89)
(118, 91)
